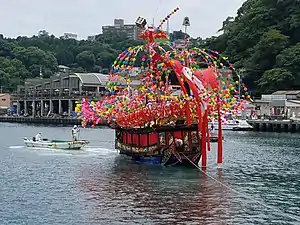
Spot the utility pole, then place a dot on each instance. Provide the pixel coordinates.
(239, 85)
(41, 73)
(1, 89)
(240, 75)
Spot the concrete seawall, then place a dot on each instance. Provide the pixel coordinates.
(258, 125)
(52, 121)
(275, 125)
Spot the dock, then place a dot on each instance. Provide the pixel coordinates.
(43, 120)
(292, 126)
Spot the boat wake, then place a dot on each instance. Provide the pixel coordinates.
(98, 149)
(84, 152)
(16, 147)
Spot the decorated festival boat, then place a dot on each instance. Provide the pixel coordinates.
(165, 119)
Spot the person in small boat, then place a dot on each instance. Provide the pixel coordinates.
(38, 137)
(75, 133)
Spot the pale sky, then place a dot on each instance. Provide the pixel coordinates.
(86, 17)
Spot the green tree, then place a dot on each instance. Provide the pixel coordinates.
(86, 60)
(260, 39)
(276, 79)
(12, 72)
(36, 59)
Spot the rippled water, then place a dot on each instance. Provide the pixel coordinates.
(98, 186)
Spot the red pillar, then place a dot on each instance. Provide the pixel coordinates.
(203, 139)
(220, 141)
(208, 135)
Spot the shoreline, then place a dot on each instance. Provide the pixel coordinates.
(285, 126)
(43, 120)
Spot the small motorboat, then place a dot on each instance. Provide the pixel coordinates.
(243, 125)
(214, 138)
(56, 144)
(233, 125)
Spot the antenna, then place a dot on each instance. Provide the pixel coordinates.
(168, 26)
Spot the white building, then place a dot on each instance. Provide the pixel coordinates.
(131, 30)
(70, 36)
(91, 38)
(279, 103)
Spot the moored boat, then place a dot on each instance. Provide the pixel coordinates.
(233, 125)
(56, 144)
(214, 138)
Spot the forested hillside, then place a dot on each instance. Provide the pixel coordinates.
(263, 42)
(24, 57)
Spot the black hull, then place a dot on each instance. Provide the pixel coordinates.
(242, 129)
(173, 160)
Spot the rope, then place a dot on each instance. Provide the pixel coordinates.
(294, 217)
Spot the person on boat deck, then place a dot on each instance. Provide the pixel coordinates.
(178, 142)
(75, 133)
(38, 137)
(178, 139)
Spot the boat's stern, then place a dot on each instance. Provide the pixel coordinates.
(76, 145)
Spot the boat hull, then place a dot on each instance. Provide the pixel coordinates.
(160, 147)
(171, 161)
(66, 145)
(235, 125)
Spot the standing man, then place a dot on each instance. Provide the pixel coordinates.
(38, 137)
(75, 133)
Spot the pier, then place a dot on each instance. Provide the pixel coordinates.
(31, 120)
(43, 120)
(292, 126)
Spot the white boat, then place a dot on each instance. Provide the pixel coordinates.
(233, 125)
(56, 144)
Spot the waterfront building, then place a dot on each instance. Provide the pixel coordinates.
(4, 102)
(131, 30)
(58, 94)
(279, 103)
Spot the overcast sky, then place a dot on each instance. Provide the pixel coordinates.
(86, 17)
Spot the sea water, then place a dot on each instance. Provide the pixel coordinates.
(258, 183)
